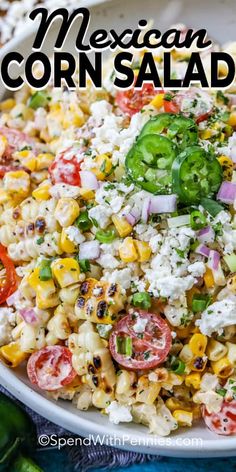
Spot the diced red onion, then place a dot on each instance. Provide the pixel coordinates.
(88, 180)
(214, 260)
(130, 218)
(163, 204)
(146, 209)
(206, 235)
(14, 297)
(227, 192)
(89, 250)
(203, 250)
(29, 315)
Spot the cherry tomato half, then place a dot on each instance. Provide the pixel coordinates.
(66, 168)
(132, 101)
(9, 283)
(16, 140)
(51, 368)
(223, 422)
(142, 349)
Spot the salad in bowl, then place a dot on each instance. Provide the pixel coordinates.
(117, 249)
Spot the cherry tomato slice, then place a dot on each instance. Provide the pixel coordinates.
(223, 422)
(150, 347)
(51, 368)
(132, 101)
(16, 140)
(193, 102)
(66, 168)
(9, 284)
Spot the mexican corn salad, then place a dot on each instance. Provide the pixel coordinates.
(118, 248)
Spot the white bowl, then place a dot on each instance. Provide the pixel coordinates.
(218, 17)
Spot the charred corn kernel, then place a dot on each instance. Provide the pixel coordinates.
(8, 104)
(87, 194)
(66, 212)
(127, 250)
(193, 380)
(66, 271)
(183, 418)
(158, 101)
(103, 166)
(231, 353)
(101, 399)
(198, 344)
(198, 363)
(227, 167)
(223, 367)
(44, 160)
(231, 283)
(122, 226)
(66, 244)
(17, 183)
(143, 249)
(3, 144)
(12, 355)
(232, 119)
(99, 301)
(186, 354)
(42, 192)
(215, 350)
(208, 278)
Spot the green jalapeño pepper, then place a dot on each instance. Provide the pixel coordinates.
(195, 174)
(149, 163)
(176, 127)
(17, 435)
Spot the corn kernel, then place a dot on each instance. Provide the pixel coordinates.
(3, 144)
(8, 104)
(41, 192)
(45, 300)
(193, 380)
(17, 183)
(198, 344)
(103, 166)
(87, 194)
(143, 249)
(208, 278)
(215, 350)
(223, 367)
(122, 226)
(67, 210)
(198, 364)
(44, 160)
(186, 354)
(27, 158)
(206, 134)
(227, 167)
(183, 418)
(232, 119)
(158, 101)
(66, 244)
(12, 355)
(66, 271)
(127, 251)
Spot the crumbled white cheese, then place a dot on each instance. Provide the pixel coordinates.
(122, 277)
(74, 235)
(64, 190)
(217, 316)
(118, 413)
(177, 312)
(7, 317)
(197, 269)
(140, 325)
(212, 400)
(209, 382)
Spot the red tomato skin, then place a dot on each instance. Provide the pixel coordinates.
(10, 284)
(170, 107)
(16, 140)
(124, 326)
(65, 171)
(217, 423)
(52, 353)
(132, 101)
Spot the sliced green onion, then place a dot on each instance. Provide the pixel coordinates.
(83, 221)
(177, 221)
(124, 345)
(128, 346)
(84, 265)
(45, 271)
(177, 366)
(200, 302)
(142, 299)
(105, 237)
(197, 220)
(221, 391)
(39, 99)
(230, 260)
(211, 206)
